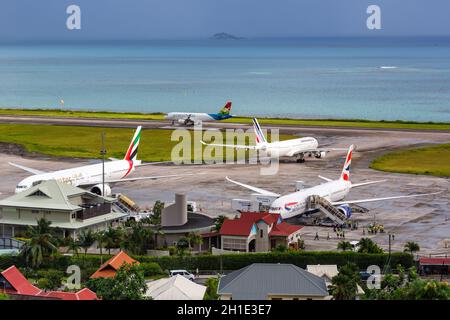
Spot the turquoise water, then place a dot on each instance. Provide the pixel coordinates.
(313, 78)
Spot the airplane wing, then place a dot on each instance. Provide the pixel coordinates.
(31, 170)
(135, 179)
(325, 178)
(255, 189)
(236, 146)
(151, 163)
(354, 185)
(382, 199)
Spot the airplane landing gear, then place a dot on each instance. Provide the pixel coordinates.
(300, 159)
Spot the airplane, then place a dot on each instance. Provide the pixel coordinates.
(297, 148)
(190, 119)
(91, 176)
(333, 191)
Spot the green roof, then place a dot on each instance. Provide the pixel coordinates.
(49, 194)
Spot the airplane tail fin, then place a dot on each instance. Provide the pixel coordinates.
(345, 175)
(134, 144)
(259, 135)
(226, 109)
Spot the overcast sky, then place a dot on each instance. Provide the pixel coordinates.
(167, 19)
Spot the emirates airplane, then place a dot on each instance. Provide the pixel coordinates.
(91, 176)
(333, 191)
(297, 148)
(193, 118)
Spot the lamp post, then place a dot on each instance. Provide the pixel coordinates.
(103, 153)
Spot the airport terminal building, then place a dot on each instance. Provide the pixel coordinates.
(68, 208)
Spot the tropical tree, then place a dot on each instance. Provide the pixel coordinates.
(344, 286)
(211, 289)
(41, 244)
(411, 247)
(366, 245)
(194, 238)
(408, 286)
(182, 245)
(101, 239)
(344, 245)
(86, 240)
(219, 222)
(137, 239)
(127, 284)
(157, 211)
(73, 245)
(112, 238)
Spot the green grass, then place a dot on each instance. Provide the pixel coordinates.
(434, 160)
(303, 122)
(82, 114)
(85, 142)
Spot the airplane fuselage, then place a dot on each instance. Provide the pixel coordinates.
(289, 148)
(294, 204)
(85, 175)
(196, 117)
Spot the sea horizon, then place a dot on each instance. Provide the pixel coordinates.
(372, 78)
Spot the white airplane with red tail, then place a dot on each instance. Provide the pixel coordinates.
(91, 176)
(332, 191)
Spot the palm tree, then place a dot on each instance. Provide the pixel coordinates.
(344, 245)
(73, 245)
(41, 244)
(86, 240)
(366, 245)
(218, 223)
(194, 239)
(344, 286)
(112, 238)
(137, 239)
(412, 247)
(100, 238)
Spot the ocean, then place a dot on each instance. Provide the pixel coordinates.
(357, 78)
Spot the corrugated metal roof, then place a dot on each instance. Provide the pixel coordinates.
(259, 280)
(49, 194)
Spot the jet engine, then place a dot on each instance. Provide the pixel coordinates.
(321, 154)
(345, 209)
(98, 189)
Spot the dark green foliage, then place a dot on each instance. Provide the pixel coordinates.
(344, 286)
(211, 289)
(49, 279)
(408, 286)
(128, 284)
(301, 259)
(366, 245)
(151, 269)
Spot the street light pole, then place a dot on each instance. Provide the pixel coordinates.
(103, 153)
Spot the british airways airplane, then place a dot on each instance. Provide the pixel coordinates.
(190, 118)
(334, 191)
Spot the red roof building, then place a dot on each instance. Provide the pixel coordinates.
(436, 266)
(110, 267)
(258, 232)
(14, 283)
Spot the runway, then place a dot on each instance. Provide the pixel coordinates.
(425, 220)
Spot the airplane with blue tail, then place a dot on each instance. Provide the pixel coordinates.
(196, 118)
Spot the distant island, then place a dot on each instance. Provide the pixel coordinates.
(225, 36)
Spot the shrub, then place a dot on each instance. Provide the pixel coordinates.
(151, 268)
(301, 259)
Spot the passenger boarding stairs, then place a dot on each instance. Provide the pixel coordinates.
(325, 206)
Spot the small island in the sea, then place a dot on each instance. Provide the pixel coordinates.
(225, 36)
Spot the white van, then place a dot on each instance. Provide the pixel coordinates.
(183, 273)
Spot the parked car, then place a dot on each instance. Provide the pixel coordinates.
(183, 273)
